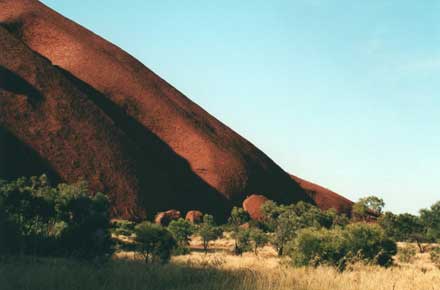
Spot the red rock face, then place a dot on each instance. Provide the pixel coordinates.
(252, 205)
(194, 216)
(325, 198)
(164, 218)
(85, 109)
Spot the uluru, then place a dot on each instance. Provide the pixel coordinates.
(76, 107)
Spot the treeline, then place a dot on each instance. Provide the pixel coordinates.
(69, 221)
(63, 221)
(303, 232)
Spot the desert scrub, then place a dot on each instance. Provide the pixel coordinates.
(406, 254)
(200, 274)
(435, 256)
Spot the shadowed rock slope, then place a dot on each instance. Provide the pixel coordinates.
(85, 109)
(325, 198)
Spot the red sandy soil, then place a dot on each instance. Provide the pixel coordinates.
(81, 108)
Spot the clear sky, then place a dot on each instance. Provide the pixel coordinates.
(343, 93)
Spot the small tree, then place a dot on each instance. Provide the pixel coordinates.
(284, 221)
(286, 227)
(259, 239)
(182, 231)
(430, 218)
(271, 211)
(367, 206)
(237, 218)
(155, 243)
(242, 240)
(208, 231)
(405, 228)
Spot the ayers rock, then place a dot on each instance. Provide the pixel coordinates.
(325, 198)
(78, 107)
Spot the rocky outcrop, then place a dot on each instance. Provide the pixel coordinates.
(164, 218)
(252, 205)
(325, 198)
(85, 109)
(194, 216)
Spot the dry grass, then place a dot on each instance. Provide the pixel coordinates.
(215, 270)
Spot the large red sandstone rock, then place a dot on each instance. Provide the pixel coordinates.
(194, 216)
(252, 205)
(85, 109)
(325, 198)
(164, 218)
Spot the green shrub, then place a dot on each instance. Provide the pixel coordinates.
(57, 221)
(208, 231)
(406, 254)
(430, 219)
(367, 207)
(338, 247)
(123, 227)
(258, 238)
(404, 228)
(285, 221)
(182, 231)
(154, 242)
(238, 217)
(242, 240)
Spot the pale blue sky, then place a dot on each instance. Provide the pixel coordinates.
(343, 93)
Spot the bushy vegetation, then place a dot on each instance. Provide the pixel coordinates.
(286, 221)
(208, 231)
(424, 228)
(367, 207)
(339, 246)
(66, 220)
(435, 256)
(122, 227)
(182, 231)
(154, 242)
(406, 254)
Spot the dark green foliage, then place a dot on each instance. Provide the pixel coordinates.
(258, 238)
(154, 242)
(208, 231)
(337, 247)
(242, 240)
(410, 228)
(240, 235)
(404, 227)
(182, 231)
(57, 221)
(370, 243)
(367, 206)
(122, 227)
(430, 218)
(285, 221)
(238, 217)
(10, 238)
